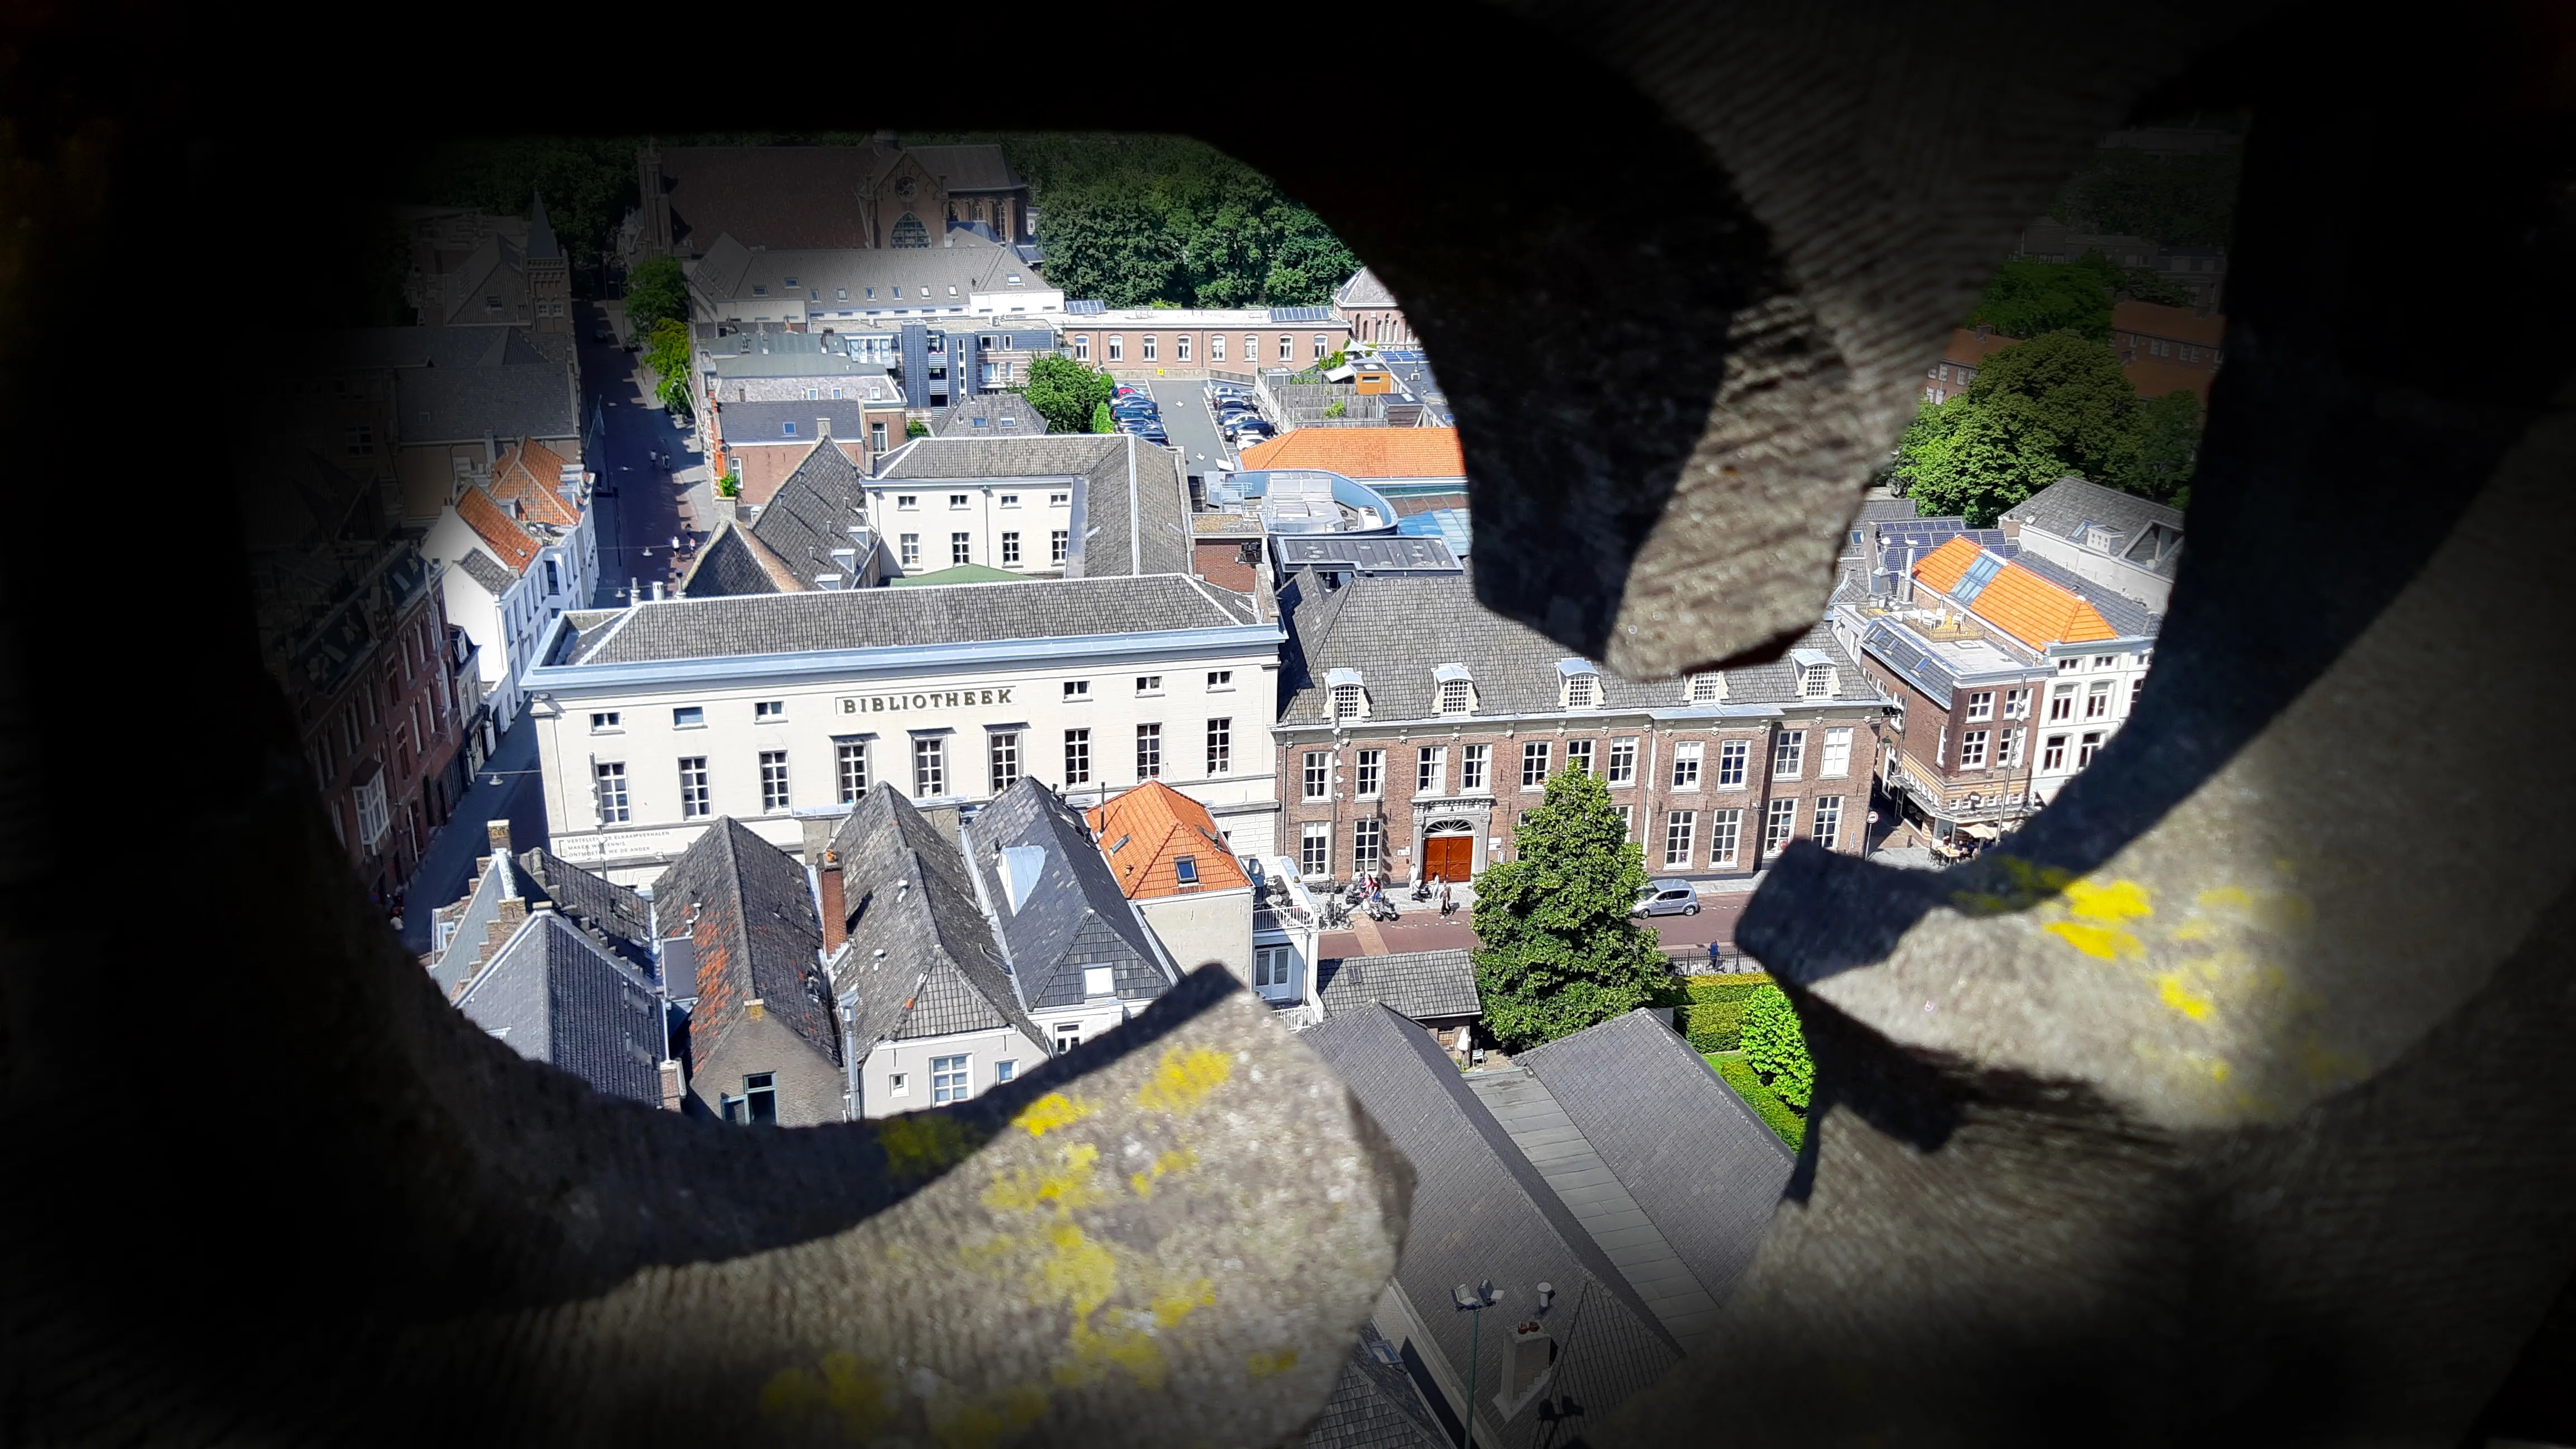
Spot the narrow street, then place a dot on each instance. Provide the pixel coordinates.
(639, 504)
(1192, 426)
(506, 788)
(1419, 928)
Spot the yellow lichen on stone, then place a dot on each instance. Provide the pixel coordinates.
(1066, 1187)
(1263, 1365)
(920, 1146)
(1165, 1164)
(860, 1392)
(985, 1420)
(1050, 1112)
(1179, 1303)
(2176, 993)
(1184, 1078)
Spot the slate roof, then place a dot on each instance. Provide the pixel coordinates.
(1482, 1211)
(969, 168)
(480, 567)
(541, 233)
(2127, 617)
(760, 351)
(1364, 290)
(751, 423)
(2069, 506)
(554, 995)
(732, 563)
(1106, 541)
(670, 629)
(812, 514)
(756, 934)
(800, 196)
(1073, 916)
(620, 917)
(910, 895)
(1364, 453)
(1144, 832)
(1395, 629)
(1420, 985)
(473, 917)
(1374, 1404)
(1694, 1157)
(732, 273)
(990, 415)
(464, 404)
(439, 347)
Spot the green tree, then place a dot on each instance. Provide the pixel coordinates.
(1557, 950)
(1065, 393)
(916, 428)
(2038, 411)
(656, 291)
(2168, 444)
(588, 183)
(1102, 420)
(666, 352)
(2026, 299)
(1775, 1047)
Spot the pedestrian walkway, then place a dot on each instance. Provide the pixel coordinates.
(447, 867)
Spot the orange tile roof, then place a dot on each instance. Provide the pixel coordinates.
(2016, 600)
(2178, 323)
(499, 532)
(2154, 377)
(1968, 349)
(1158, 826)
(1365, 452)
(530, 472)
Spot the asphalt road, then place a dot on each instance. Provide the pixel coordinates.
(639, 518)
(1421, 929)
(1192, 426)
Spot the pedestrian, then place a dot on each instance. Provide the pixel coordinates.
(1716, 959)
(1446, 904)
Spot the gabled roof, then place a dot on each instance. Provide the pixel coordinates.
(798, 422)
(756, 933)
(812, 514)
(1481, 1211)
(1696, 1160)
(554, 995)
(1144, 833)
(501, 533)
(593, 902)
(1364, 290)
(1971, 349)
(2180, 324)
(2012, 596)
(1374, 624)
(2070, 505)
(1417, 985)
(733, 563)
(442, 404)
(1063, 913)
(745, 278)
(483, 569)
(990, 415)
(1375, 1405)
(803, 196)
(531, 474)
(1364, 453)
(1153, 538)
(920, 956)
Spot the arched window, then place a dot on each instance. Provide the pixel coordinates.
(909, 232)
(1117, 348)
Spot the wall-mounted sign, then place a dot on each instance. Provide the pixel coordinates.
(921, 699)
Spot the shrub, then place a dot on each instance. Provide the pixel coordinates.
(1739, 1075)
(1776, 1048)
(1714, 1026)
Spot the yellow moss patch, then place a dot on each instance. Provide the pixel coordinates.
(1049, 1112)
(1263, 1365)
(1165, 1164)
(861, 1392)
(2174, 992)
(1184, 1078)
(1066, 1187)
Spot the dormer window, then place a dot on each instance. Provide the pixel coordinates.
(1581, 687)
(759, 291)
(1349, 698)
(791, 281)
(1816, 674)
(1453, 690)
(1707, 688)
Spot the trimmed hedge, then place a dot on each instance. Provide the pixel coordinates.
(1738, 1074)
(1712, 1009)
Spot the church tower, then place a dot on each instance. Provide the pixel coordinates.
(549, 273)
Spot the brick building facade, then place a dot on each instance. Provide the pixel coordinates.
(1416, 727)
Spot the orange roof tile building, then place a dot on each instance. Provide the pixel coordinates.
(2012, 597)
(1161, 842)
(1181, 877)
(1404, 455)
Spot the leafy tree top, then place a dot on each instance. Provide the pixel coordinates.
(1557, 949)
(2038, 411)
(1776, 1047)
(1066, 393)
(656, 291)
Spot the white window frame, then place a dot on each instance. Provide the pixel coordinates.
(1622, 769)
(1779, 825)
(1681, 838)
(1688, 756)
(1826, 821)
(1788, 754)
(1836, 762)
(1475, 769)
(1315, 849)
(1317, 774)
(1725, 828)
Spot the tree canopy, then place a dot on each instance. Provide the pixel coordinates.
(2038, 411)
(1557, 950)
(2175, 201)
(656, 292)
(588, 183)
(2027, 299)
(1067, 394)
(1776, 1048)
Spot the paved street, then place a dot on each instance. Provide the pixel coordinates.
(1192, 426)
(1421, 929)
(639, 505)
(448, 866)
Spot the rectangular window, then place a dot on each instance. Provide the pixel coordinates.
(2052, 756)
(2137, 686)
(689, 717)
(1082, 349)
(911, 550)
(1725, 828)
(604, 722)
(1473, 764)
(1686, 761)
(1816, 681)
(1149, 751)
(1972, 750)
(1009, 500)
(1220, 680)
(1004, 1070)
(1707, 688)
(959, 500)
(898, 1085)
(1151, 344)
(1220, 746)
(948, 1082)
(1627, 820)
(2097, 700)
(1010, 548)
(907, 502)
(1456, 696)
(1076, 689)
(1315, 849)
(1578, 755)
(1623, 762)
(2061, 701)
(1181, 348)
(1287, 348)
(1349, 703)
(1367, 837)
(1788, 754)
(1272, 965)
(760, 1098)
(1148, 684)
(2085, 752)
(693, 787)
(1981, 705)
(2069, 666)
(1681, 827)
(2016, 704)
(1077, 757)
(1068, 1035)
(1216, 347)
(1779, 826)
(877, 437)
(929, 767)
(612, 793)
(1319, 347)
(773, 779)
(1319, 775)
(961, 548)
(1534, 762)
(1732, 757)
(1829, 820)
(850, 761)
(1251, 347)
(1004, 749)
(1117, 349)
(1431, 769)
(1055, 545)
(1369, 775)
(1837, 761)
(769, 711)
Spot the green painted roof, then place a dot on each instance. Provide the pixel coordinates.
(961, 574)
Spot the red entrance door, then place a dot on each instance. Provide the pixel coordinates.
(1450, 857)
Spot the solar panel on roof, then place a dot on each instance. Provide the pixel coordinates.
(1979, 574)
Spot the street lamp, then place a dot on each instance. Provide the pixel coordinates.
(1474, 1300)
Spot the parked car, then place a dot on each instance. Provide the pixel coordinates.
(1123, 390)
(1667, 896)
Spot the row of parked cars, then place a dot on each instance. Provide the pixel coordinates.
(1135, 412)
(1236, 417)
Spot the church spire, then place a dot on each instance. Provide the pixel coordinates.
(541, 235)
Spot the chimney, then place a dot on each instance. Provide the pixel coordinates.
(836, 916)
(673, 1093)
(755, 1010)
(822, 427)
(1527, 1360)
(498, 833)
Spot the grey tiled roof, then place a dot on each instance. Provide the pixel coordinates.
(482, 906)
(1396, 629)
(483, 569)
(554, 995)
(1419, 984)
(812, 513)
(968, 168)
(990, 415)
(908, 894)
(462, 404)
(618, 915)
(2131, 619)
(756, 935)
(1693, 1156)
(1364, 290)
(884, 618)
(769, 422)
(730, 270)
(2066, 506)
(1075, 916)
(728, 567)
(1375, 1405)
(1482, 1211)
(441, 347)
(1105, 541)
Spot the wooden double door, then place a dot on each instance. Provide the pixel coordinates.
(1450, 857)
